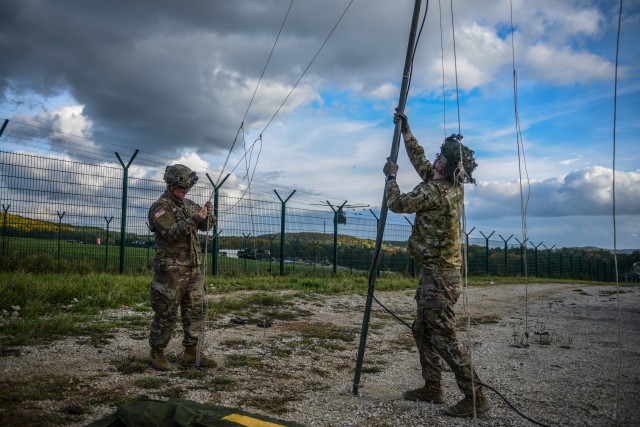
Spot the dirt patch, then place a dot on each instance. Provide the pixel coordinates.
(555, 351)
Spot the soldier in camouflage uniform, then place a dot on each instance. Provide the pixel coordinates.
(435, 244)
(175, 221)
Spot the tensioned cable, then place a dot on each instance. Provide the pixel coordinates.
(463, 217)
(415, 47)
(444, 98)
(301, 76)
(255, 91)
(455, 63)
(615, 250)
(522, 161)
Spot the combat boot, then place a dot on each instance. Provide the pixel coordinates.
(189, 358)
(464, 408)
(158, 361)
(431, 392)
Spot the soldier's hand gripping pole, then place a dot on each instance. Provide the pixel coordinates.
(383, 207)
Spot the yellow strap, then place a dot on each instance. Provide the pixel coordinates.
(250, 422)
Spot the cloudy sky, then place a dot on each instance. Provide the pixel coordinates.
(177, 80)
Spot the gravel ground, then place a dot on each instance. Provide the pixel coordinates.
(575, 371)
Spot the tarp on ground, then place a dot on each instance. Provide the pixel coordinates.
(184, 413)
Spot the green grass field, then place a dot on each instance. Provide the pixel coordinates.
(49, 306)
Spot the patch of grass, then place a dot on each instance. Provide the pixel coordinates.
(57, 305)
(375, 326)
(404, 342)
(241, 361)
(135, 320)
(325, 331)
(220, 383)
(36, 388)
(371, 369)
(234, 343)
(611, 292)
(151, 383)
(275, 403)
(246, 304)
(340, 283)
(278, 351)
(131, 364)
(333, 346)
(287, 314)
(191, 374)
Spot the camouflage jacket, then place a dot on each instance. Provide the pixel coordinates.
(435, 236)
(176, 231)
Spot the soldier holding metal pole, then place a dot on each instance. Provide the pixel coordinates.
(435, 244)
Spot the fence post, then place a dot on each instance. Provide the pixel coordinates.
(466, 249)
(123, 220)
(335, 233)
(571, 264)
(413, 262)
(282, 227)
(549, 259)
(106, 249)
(524, 242)
(535, 257)
(486, 251)
(506, 268)
(59, 231)
(4, 221)
(214, 255)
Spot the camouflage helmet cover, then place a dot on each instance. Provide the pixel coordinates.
(449, 156)
(180, 175)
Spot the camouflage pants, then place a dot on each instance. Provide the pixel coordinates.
(435, 329)
(181, 286)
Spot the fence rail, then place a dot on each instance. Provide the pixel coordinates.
(97, 215)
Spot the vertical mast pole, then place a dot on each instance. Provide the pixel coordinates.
(383, 207)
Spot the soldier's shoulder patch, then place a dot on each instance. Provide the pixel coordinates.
(159, 213)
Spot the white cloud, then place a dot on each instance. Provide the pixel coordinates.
(67, 119)
(565, 66)
(586, 192)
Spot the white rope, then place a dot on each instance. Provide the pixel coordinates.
(615, 250)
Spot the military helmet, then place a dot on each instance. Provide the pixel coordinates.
(450, 152)
(180, 175)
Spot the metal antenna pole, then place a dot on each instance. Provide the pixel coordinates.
(383, 206)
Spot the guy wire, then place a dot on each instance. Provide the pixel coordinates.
(522, 161)
(615, 250)
(255, 91)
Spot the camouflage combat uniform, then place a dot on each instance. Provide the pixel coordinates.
(435, 244)
(177, 280)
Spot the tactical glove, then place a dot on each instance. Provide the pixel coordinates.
(404, 125)
(390, 168)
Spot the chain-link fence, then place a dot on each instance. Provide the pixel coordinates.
(96, 215)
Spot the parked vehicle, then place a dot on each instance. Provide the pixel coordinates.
(257, 254)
